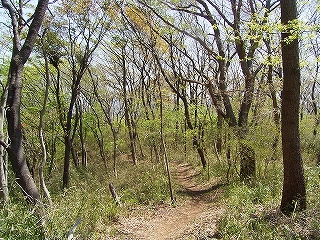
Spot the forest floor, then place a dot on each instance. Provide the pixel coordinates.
(193, 216)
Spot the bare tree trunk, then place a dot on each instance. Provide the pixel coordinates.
(166, 161)
(4, 192)
(275, 107)
(182, 96)
(195, 139)
(106, 108)
(20, 55)
(81, 136)
(247, 165)
(100, 139)
(294, 189)
(66, 163)
(114, 194)
(53, 150)
(132, 136)
(40, 128)
(115, 146)
(314, 104)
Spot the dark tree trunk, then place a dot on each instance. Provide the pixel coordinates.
(68, 136)
(294, 189)
(66, 164)
(276, 113)
(183, 97)
(65, 124)
(195, 139)
(245, 54)
(246, 103)
(275, 107)
(20, 55)
(132, 135)
(248, 163)
(15, 150)
(75, 158)
(100, 138)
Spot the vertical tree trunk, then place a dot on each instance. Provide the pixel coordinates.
(127, 111)
(166, 161)
(245, 54)
(314, 104)
(66, 163)
(188, 123)
(115, 146)
(195, 140)
(4, 192)
(81, 136)
(100, 138)
(15, 150)
(273, 93)
(53, 150)
(20, 55)
(40, 128)
(69, 133)
(294, 191)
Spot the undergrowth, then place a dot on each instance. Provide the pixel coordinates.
(18, 221)
(88, 198)
(252, 211)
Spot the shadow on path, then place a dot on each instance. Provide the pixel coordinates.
(188, 178)
(193, 193)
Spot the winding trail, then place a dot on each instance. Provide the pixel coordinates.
(194, 217)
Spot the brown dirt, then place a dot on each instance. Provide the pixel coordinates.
(194, 216)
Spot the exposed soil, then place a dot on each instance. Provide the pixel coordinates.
(194, 216)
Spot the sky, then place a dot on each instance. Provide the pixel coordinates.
(5, 28)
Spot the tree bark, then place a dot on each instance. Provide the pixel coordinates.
(114, 194)
(314, 104)
(100, 138)
(294, 189)
(81, 136)
(20, 55)
(4, 192)
(166, 161)
(132, 134)
(40, 128)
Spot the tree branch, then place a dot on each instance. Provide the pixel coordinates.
(33, 30)
(3, 144)
(15, 25)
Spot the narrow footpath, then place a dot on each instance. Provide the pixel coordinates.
(195, 216)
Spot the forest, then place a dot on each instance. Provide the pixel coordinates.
(163, 119)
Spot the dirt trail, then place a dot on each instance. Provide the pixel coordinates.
(194, 217)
